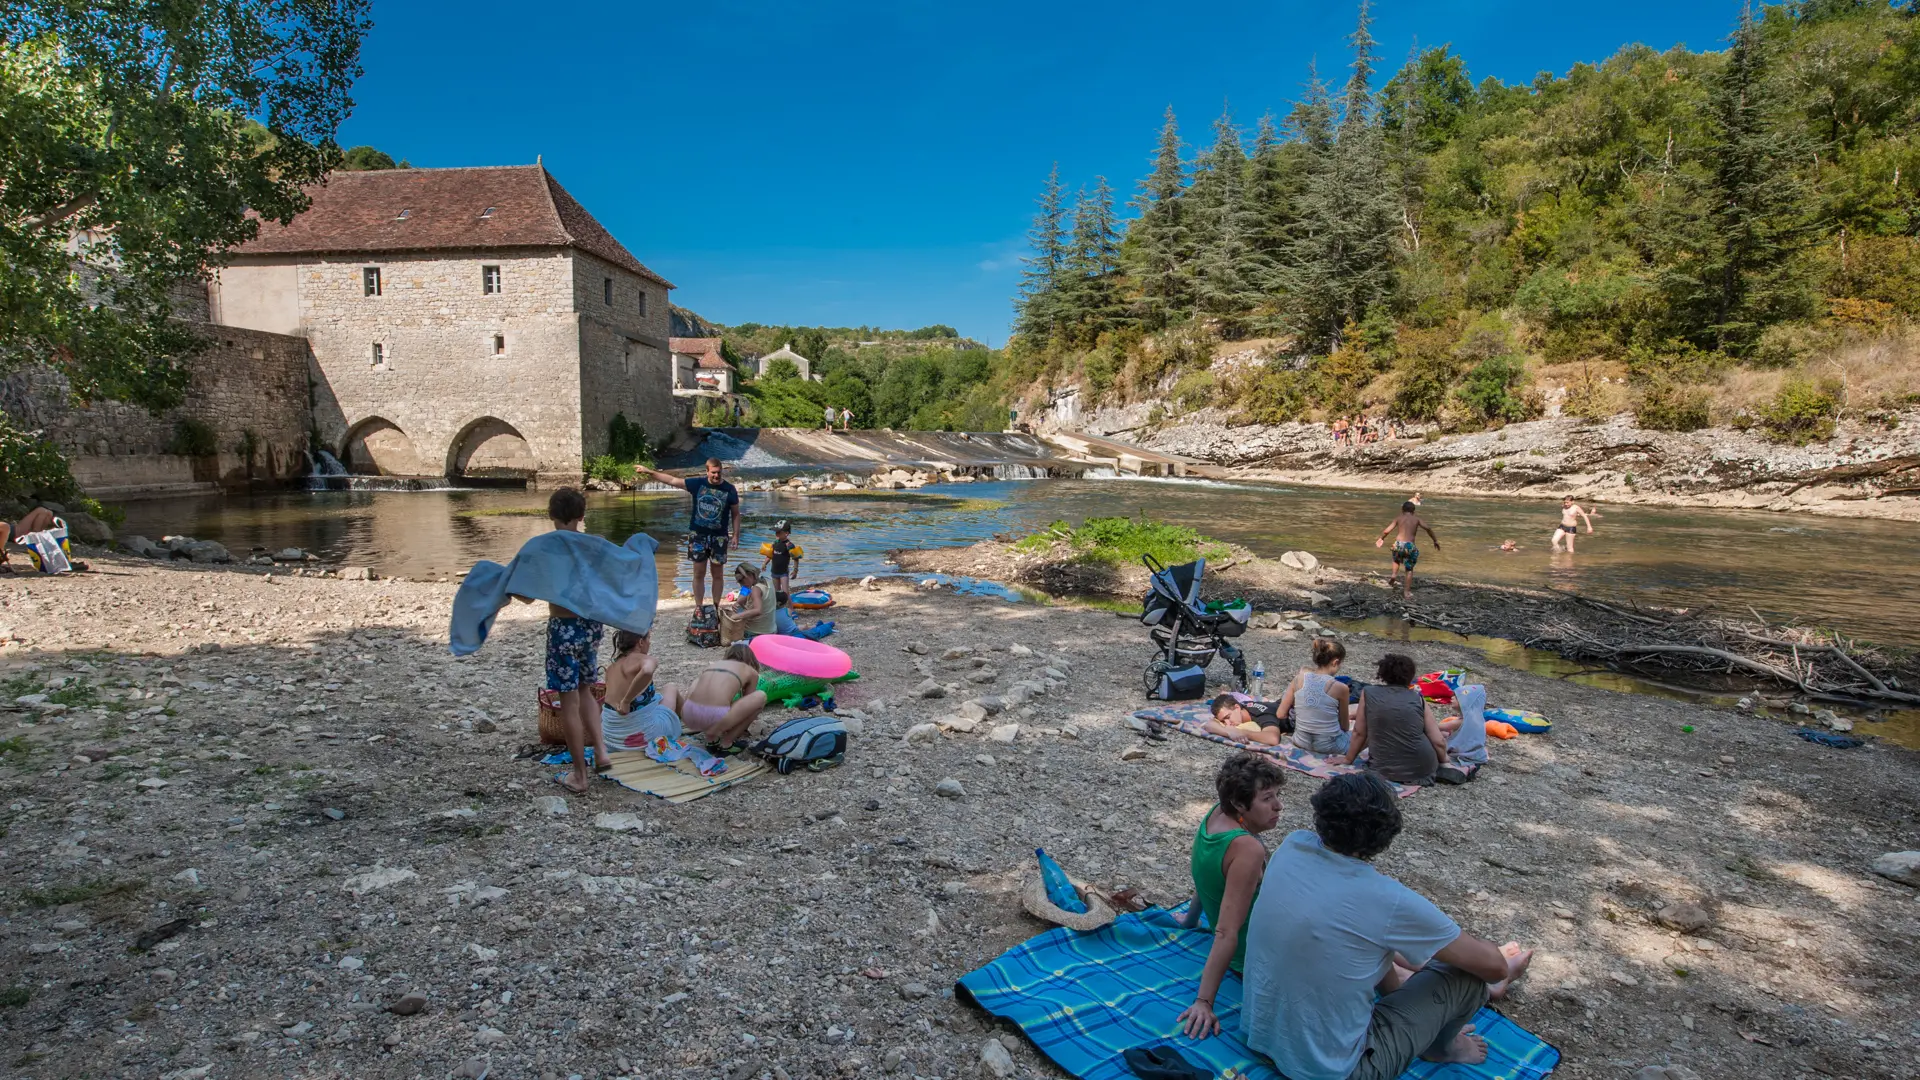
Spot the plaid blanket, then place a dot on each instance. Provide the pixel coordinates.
(1085, 999)
(1188, 718)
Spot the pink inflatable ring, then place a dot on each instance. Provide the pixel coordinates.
(799, 656)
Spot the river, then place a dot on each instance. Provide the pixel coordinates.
(1856, 575)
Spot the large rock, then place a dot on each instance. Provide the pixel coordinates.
(88, 529)
(208, 551)
(143, 547)
(1300, 560)
(1900, 866)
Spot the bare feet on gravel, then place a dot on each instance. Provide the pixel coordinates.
(1466, 1048)
(1517, 961)
(573, 781)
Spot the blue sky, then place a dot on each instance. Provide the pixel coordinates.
(876, 163)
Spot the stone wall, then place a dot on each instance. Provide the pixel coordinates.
(626, 366)
(445, 401)
(244, 382)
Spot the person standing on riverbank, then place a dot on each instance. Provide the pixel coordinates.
(573, 663)
(1406, 551)
(715, 526)
(1570, 515)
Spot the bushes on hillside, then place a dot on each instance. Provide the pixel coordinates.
(1661, 404)
(1803, 411)
(31, 468)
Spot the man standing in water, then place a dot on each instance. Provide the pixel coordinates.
(1570, 514)
(715, 525)
(1406, 552)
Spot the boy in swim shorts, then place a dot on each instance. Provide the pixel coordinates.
(573, 662)
(1406, 553)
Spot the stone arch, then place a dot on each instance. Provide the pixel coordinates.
(377, 447)
(491, 448)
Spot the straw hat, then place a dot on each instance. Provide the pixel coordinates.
(1033, 897)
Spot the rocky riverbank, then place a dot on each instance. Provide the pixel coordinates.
(261, 824)
(1865, 470)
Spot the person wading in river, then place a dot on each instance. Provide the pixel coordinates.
(1405, 529)
(1570, 515)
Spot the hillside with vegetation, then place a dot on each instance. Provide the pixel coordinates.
(1728, 237)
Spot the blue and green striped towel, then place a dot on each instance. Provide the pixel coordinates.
(1086, 998)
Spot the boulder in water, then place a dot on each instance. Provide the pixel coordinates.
(292, 554)
(207, 551)
(88, 529)
(143, 547)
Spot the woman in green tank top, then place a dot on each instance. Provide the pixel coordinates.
(1228, 859)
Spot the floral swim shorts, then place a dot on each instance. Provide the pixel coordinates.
(1405, 554)
(572, 647)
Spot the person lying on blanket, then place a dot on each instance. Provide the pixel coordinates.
(1244, 720)
(1325, 934)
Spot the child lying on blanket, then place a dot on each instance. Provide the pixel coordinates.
(1244, 720)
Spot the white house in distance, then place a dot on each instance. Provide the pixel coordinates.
(462, 322)
(785, 352)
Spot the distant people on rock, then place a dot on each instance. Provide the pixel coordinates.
(1318, 702)
(715, 526)
(1244, 720)
(1570, 516)
(1324, 996)
(830, 417)
(846, 420)
(1394, 725)
(723, 701)
(1226, 863)
(573, 662)
(1405, 529)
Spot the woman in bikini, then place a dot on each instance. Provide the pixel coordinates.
(633, 711)
(722, 702)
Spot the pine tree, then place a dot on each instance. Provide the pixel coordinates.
(1039, 305)
(1091, 302)
(1272, 185)
(1751, 277)
(1162, 234)
(1224, 265)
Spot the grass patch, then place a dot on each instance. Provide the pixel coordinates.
(21, 686)
(1119, 540)
(16, 745)
(75, 695)
(80, 893)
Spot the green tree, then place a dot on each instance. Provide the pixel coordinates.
(1226, 264)
(1160, 240)
(129, 164)
(1045, 270)
(368, 159)
(1090, 290)
(782, 370)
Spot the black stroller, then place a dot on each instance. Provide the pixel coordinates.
(1188, 635)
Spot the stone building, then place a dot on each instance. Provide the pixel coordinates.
(461, 322)
(700, 367)
(785, 352)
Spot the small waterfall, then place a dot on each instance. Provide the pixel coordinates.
(1021, 472)
(739, 452)
(325, 464)
(1100, 472)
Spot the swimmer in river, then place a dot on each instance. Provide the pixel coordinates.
(1508, 546)
(1405, 530)
(1570, 515)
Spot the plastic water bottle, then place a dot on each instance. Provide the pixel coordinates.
(1059, 889)
(1259, 679)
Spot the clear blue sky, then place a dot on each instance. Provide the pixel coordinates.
(876, 162)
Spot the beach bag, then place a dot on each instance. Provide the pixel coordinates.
(703, 630)
(48, 550)
(553, 731)
(815, 742)
(1166, 683)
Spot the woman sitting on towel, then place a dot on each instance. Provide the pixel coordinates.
(633, 713)
(722, 703)
(1228, 858)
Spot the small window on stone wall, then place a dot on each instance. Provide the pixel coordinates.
(379, 355)
(499, 344)
(606, 290)
(490, 280)
(370, 281)
(643, 301)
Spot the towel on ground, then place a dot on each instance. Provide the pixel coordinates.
(586, 574)
(1085, 999)
(1188, 718)
(650, 721)
(667, 751)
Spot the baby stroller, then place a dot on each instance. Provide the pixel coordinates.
(1188, 633)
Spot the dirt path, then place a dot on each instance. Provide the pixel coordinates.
(294, 779)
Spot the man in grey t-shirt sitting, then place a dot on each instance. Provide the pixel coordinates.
(1323, 938)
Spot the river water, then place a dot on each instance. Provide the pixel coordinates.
(1856, 575)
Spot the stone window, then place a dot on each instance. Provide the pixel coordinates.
(499, 344)
(606, 290)
(490, 280)
(643, 301)
(370, 281)
(379, 355)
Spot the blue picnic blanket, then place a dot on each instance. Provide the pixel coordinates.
(1086, 998)
(586, 574)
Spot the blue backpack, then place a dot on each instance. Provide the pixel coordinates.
(816, 742)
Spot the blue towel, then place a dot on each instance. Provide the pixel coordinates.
(1085, 999)
(586, 574)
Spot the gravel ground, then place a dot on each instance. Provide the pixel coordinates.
(255, 812)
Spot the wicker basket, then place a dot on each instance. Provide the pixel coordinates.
(552, 731)
(1033, 897)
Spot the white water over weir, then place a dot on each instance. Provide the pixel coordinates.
(1021, 472)
(719, 444)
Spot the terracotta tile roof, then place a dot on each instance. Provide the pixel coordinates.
(361, 211)
(706, 348)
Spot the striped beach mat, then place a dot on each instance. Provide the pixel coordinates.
(1188, 720)
(679, 781)
(1086, 998)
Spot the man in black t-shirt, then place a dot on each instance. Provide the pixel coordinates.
(715, 526)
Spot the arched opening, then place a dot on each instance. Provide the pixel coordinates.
(490, 448)
(377, 447)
